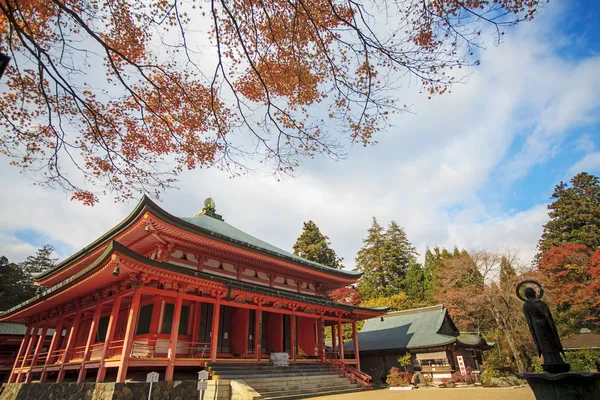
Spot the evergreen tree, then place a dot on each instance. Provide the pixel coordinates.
(507, 273)
(314, 246)
(15, 284)
(574, 214)
(433, 263)
(39, 262)
(384, 260)
(415, 282)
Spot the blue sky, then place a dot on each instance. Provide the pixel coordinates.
(473, 169)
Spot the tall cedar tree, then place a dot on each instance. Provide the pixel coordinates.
(39, 262)
(314, 246)
(574, 214)
(415, 282)
(299, 78)
(384, 260)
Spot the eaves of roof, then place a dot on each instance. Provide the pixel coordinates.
(147, 205)
(115, 247)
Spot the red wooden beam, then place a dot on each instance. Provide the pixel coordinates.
(341, 342)
(110, 333)
(173, 340)
(129, 333)
(355, 338)
(90, 340)
(70, 344)
(56, 338)
(38, 349)
(22, 347)
(214, 336)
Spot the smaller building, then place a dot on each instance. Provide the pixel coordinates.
(427, 334)
(585, 340)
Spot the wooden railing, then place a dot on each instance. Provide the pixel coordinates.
(355, 375)
(161, 349)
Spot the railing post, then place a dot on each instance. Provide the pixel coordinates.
(88, 343)
(53, 343)
(214, 336)
(70, 343)
(333, 340)
(293, 336)
(37, 350)
(174, 337)
(22, 347)
(356, 347)
(110, 333)
(129, 333)
(320, 338)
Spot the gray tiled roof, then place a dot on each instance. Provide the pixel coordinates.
(6, 328)
(415, 328)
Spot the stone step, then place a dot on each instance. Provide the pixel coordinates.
(281, 390)
(266, 375)
(290, 381)
(269, 371)
(308, 395)
(257, 365)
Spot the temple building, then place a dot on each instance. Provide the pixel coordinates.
(168, 294)
(428, 334)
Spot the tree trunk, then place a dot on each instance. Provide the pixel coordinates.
(511, 343)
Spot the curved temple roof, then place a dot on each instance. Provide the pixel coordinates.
(115, 247)
(205, 225)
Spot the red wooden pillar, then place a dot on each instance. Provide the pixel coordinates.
(214, 335)
(110, 333)
(28, 350)
(129, 333)
(37, 350)
(257, 333)
(174, 333)
(293, 336)
(154, 324)
(22, 347)
(355, 339)
(196, 322)
(320, 336)
(340, 341)
(88, 343)
(56, 338)
(333, 340)
(70, 343)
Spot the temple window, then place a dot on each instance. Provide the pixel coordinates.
(102, 328)
(168, 319)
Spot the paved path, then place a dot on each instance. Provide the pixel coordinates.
(523, 393)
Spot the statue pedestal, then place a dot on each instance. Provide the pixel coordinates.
(564, 386)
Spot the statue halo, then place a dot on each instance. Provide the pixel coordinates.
(540, 293)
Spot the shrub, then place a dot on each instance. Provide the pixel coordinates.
(584, 360)
(469, 378)
(488, 374)
(398, 378)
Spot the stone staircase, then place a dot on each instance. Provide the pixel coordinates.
(297, 381)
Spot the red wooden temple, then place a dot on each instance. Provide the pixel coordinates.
(170, 294)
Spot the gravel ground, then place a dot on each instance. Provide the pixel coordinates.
(522, 393)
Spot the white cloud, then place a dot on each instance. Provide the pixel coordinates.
(428, 172)
(589, 163)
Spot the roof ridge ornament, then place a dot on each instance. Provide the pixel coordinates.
(209, 210)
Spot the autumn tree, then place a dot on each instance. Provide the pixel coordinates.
(574, 214)
(128, 94)
(314, 246)
(345, 295)
(570, 274)
(384, 260)
(433, 266)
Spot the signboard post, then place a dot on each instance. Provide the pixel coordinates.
(151, 377)
(202, 384)
(461, 365)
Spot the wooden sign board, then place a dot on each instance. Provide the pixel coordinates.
(203, 375)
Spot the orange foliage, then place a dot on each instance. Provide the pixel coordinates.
(99, 84)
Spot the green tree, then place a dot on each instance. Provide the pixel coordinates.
(433, 263)
(384, 260)
(39, 262)
(15, 284)
(574, 214)
(415, 281)
(314, 246)
(507, 273)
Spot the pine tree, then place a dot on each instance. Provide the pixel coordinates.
(433, 264)
(507, 273)
(384, 260)
(40, 262)
(574, 214)
(415, 282)
(314, 246)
